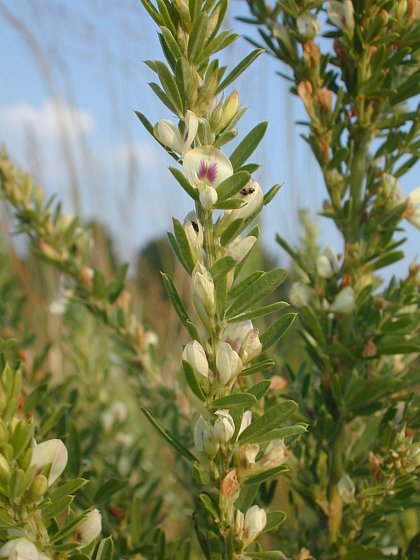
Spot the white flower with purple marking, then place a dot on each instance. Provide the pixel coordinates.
(205, 168)
(168, 133)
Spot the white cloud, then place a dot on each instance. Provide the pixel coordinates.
(47, 122)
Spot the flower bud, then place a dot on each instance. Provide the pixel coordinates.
(341, 15)
(194, 354)
(168, 133)
(203, 289)
(204, 439)
(228, 363)
(224, 426)
(52, 452)
(194, 232)
(300, 294)
(275, 455)
(413, 211)
(5, 470)
(245, 422)
(235, 333)
(249, 453)
(19, 549)
(208, 197)
(254, 522)
(281, 33)
(230, 109)
(344, 302)
(346, 489)
(39, 486)
(251, 346)
(327, 263)
(308, 26)
(89, 529)
(252, 197)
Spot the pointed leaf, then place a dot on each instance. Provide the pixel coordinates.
(248, 145)
(178, 306)
(192, 382)
(238, 399)
(277, 330)
(268, 421)
(232, 185)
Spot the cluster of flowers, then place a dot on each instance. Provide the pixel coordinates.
(206, 167)
(49, 459)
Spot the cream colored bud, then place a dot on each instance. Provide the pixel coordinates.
(308, 26)
(327, 263)
(235, 333)
(208, 197)
(228, 363)
(344, 302)
(249, 453)
(204, 440)
(245, 422)
(194, 232)
(5, 470)
(230, 109)
(252, 198)
(342, 15)
(39, 486)
(251, 346)
(275, 455)
(413, 210)
(52, 452)
(19, 549)
(254, 522)
(346, 489)
(89, 529)
(300, 294)
(203, 289)
(194, 354)
(224, 426)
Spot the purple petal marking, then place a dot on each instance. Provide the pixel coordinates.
(207, 171)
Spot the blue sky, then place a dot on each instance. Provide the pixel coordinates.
(71, 75)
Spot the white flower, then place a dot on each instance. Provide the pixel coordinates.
(224, 426)
(205, 168)
(52, 452)
(194, 354)
(58, 306)
(246, 421)
(327, 263)
(341, 15)
(344, 302)
(235, 333)
(203, 289)
(308, 26)
(254, 522)
(116, 413)
(167, 132)
(204, 440)
(413, 211)
(90, 528)
(228, 363)
(252, 198)
(194, 232)
(275, 455)
(19, 549)
(251, 346)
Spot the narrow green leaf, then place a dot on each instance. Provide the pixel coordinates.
(108, 489)
(277, 330)
(269, 195)
(163, 97)
(239, 69)
(244, 284)
(260, 389)
(175, 248)
(178, 306)
(52, 509)
(246, 497)
(171, 43)
(222, 266)
(268, 421)
(67, 488)
(259, 289)
(151, 10)
(281, 433)
(258, 367)
(259, 312)
(230, 204)
(248, 145)
(197, 40)
(266, 475)
(185, 184)
(105, 550)
(238, 399)
(177, 445)
(231, 231)
(274, 519)
(183, 244)
(169, 86)
(232, 185)
(210, 506)
(192, 382)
